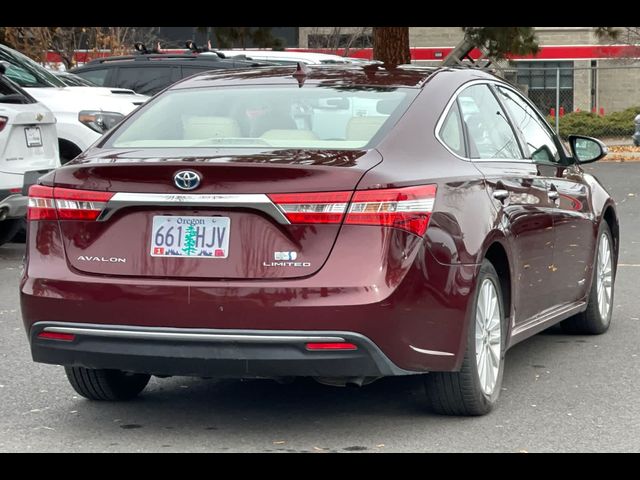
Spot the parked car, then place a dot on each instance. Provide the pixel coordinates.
(28, 149)
(82, 113)
(224, 229)
(288, 57)
(636, 134)
(149, 73)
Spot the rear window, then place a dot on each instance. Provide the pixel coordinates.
(272, 117)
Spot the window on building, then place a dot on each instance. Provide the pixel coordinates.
(541, 81)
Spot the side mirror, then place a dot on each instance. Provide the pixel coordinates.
(587, 149)
(3, 67)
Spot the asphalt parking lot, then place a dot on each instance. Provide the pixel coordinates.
(560, 393)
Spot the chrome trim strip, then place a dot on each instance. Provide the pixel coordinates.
(564, 310)
(256, 201)
(431, 352)
(209, 337)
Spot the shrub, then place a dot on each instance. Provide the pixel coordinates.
(617, 124)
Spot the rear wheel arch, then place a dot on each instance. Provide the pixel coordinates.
(68, 150)
(497, 255)
(611, 218)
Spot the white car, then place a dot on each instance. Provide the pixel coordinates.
(28, 150)
(286, 57)
(83, 113)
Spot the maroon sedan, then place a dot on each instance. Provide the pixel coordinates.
(342, 223)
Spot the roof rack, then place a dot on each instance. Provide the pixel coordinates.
(191, 45)
(156, 56)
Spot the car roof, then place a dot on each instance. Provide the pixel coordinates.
(326, 75)
(311, 57)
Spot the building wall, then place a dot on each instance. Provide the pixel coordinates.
(304, 32)
(435, 36)
(618, 88)
(450, 36)
(582, 85)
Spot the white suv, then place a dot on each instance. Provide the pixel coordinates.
(83, 113)
(28, 149)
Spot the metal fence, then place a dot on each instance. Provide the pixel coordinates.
(598, 101)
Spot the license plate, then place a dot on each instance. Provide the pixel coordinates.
(193, 237)
(33, 136)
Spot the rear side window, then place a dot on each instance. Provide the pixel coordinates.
(144, 80)
(265, 117)
(451, 131)
(94, 76)
(188, 71)
(489, 133)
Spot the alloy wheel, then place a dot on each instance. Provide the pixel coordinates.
(488, 336)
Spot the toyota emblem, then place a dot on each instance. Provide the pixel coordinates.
(187, 179)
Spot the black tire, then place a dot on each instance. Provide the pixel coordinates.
(9, 228)
(21, 235)
(110, 385)
(591, 322)
(460, 393)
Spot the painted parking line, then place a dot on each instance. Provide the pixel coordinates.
(629, 264)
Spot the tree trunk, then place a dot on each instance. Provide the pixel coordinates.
(391, 45)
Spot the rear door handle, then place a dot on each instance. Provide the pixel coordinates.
(501, 195)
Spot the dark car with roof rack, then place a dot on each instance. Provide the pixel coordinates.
(149, 73)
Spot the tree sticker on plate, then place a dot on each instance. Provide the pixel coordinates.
(199, 237)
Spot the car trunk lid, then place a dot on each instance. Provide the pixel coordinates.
(249, 236)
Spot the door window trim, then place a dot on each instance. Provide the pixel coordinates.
(454, 98)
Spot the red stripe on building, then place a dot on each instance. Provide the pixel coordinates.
(553, 52)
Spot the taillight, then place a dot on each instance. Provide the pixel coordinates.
(317, 207)
(406, 208)
(41, 203)
(3, 122)
(51, 203)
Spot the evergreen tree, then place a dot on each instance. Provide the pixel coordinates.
(190, 240)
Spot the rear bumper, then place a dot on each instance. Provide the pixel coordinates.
(208, 352)
(410, 307)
